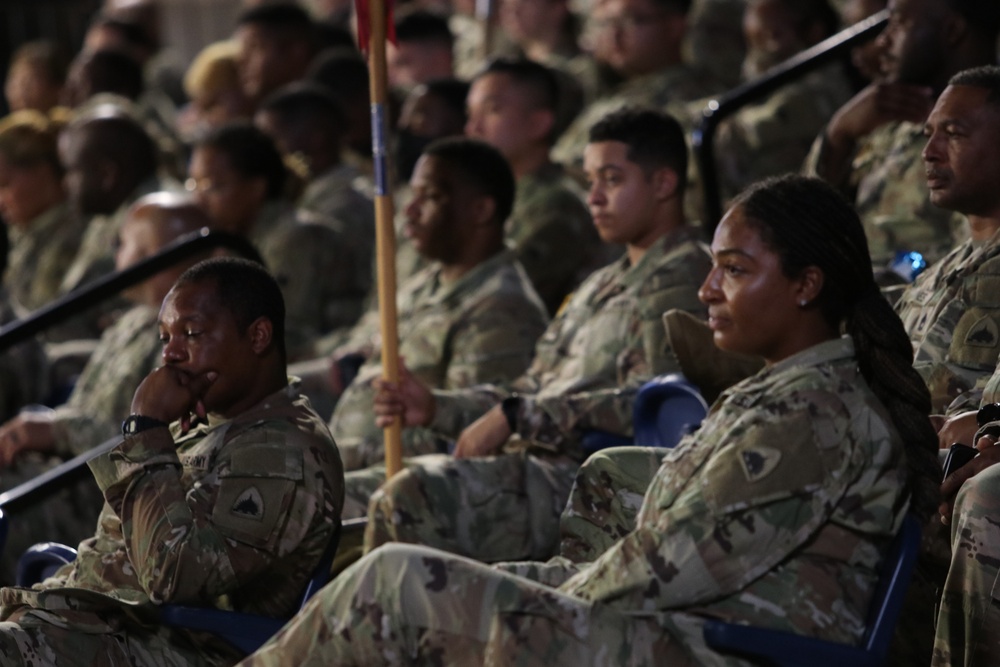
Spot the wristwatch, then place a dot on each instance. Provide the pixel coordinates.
(135, 424)
(510, 406)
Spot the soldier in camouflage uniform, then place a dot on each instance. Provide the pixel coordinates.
(773, 136)
(230, 512)
(239, 179)
(775, 513)
(34, 442)
(871, 148)
(518, 444)
(512, 105)
(307, 124)
(470, 318)
(952, 311)
(648, 44)
(44, 234)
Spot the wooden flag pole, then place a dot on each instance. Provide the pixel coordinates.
(385, 233)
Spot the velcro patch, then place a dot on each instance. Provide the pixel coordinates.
(249, 505)
(759, 462)
(983, 333)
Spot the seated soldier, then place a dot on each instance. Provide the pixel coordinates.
(871, 148)
(518, 444)
(471, 317)
(307, 125)
(35, 441)
(110, 162)
(776, 513)
(35, 77)
(44, 234)
(277, 43)
(224, 491)
(423, 50)
(512, 105)
(212, 84)
(240, 180)
(647, 38)
(952, 311)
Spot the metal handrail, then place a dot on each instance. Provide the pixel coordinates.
(108, 286)
(55, 479)
(813, 58)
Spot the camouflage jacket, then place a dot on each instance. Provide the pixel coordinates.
(481, 328)
(670, 86)
(889, 189)
(552, 233)
(775, 513)
(338, 197)
(235, 514)
(317, 271)
(952, 315)
(128, 351)
(606, 341)
(40, 255)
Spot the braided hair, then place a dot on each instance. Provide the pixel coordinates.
(807, 223)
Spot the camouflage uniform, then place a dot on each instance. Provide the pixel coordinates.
(889, 189)
(95, 259)
(604, 344)
(730, 528)
(952, 315)
(39, 256)
(340, 197)
(714, 39)
(129, 350)
(481, 328)
(316, 269)
(665, 89)
(773, 137)
(23, 368)
(552, 233)
(235, 514)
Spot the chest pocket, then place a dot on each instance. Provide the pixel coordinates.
(600, 343)
(257, 492)
(976, 339)
(425, 346)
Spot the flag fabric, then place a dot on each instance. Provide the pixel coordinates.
(364, 23)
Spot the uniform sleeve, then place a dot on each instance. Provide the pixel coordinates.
(192, 545)
(559, 420)
(752, 505)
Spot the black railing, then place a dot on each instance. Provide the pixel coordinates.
(108, 286)
(813, 58)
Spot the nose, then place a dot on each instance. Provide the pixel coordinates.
(596, 196)
(173, 350)
(709, 291)
(933, 148)
(472, 126)
(412, 209)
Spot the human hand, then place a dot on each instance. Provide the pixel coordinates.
(876, 105)
(170, 394)
(958, 428)
(409, 399)
(484, 436)
(989, 455)
(27, 432)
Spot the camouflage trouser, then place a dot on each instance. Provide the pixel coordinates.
(968, 628)
(605, 500)
(404, 605)
(33, 642)
(496, 508)
(68, 516)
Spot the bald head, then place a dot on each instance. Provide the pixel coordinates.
(107, 154)
(153, 223)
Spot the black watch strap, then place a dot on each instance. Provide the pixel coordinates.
(135, 424)
(511, 406)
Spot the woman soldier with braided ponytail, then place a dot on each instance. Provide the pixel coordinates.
(775, 513)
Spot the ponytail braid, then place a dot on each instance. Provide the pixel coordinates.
(809, 224)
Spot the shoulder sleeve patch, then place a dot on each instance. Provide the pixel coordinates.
(767, 462)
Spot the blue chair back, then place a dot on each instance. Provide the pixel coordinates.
(791, 650)
(666, 409)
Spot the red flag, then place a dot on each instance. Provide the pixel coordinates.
(364, 23)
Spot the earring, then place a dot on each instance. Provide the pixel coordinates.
(803, 303)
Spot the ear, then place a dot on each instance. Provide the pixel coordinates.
(110, 175)
(484, 208)
(261, 333)
(810, 284)
(541, 123)
(258, 188)
(954, 30)
(665, 183)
